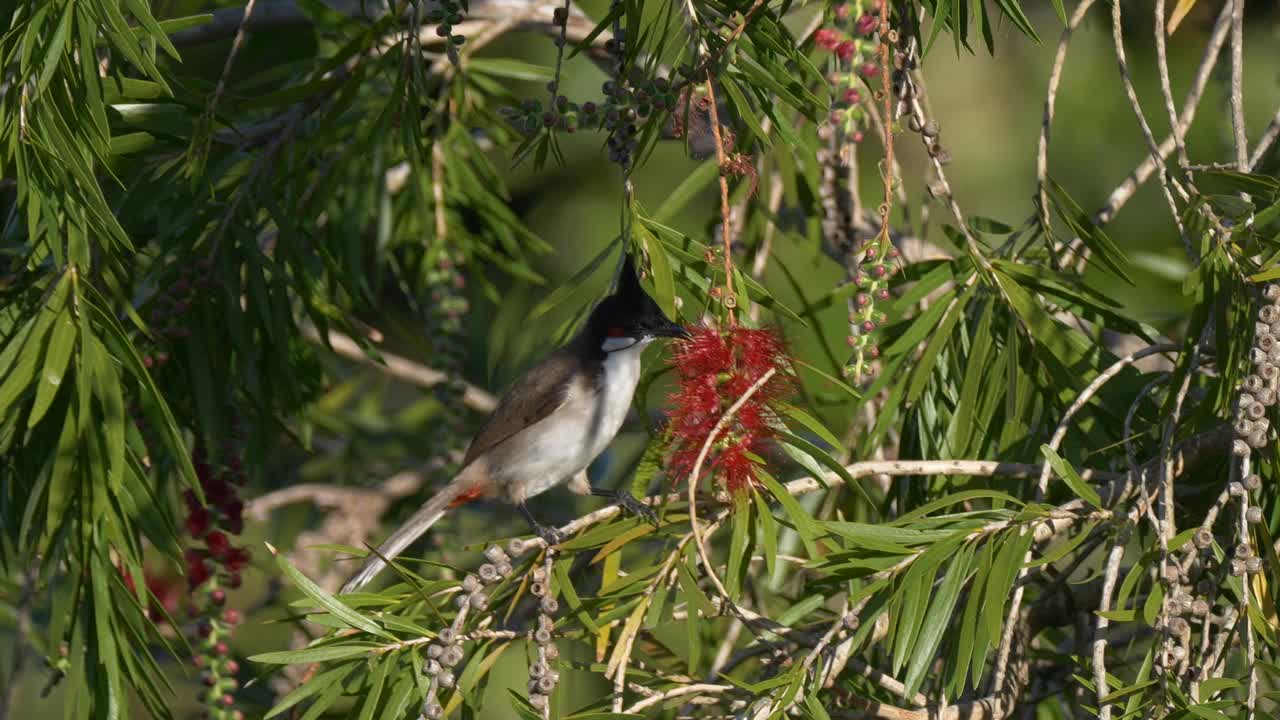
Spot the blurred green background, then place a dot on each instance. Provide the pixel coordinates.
(990, 110)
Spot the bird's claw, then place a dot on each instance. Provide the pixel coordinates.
(629, 504)
(551, 536)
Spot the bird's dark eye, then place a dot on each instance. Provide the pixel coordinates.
(616, 331)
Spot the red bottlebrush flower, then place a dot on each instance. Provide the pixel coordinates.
(198, 522)
(716, 369)
(867, 24)
(852, 96)
(826, 38)
(846, 50)
(218, 544)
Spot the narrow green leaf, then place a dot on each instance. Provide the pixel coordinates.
(1073, 480)
(330, 603)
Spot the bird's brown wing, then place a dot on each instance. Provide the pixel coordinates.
(538, 393)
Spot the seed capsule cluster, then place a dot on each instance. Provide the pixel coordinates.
(542, 675)
(1259, 389)
(446, 654)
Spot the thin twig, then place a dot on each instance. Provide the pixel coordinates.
(1265, 142)
(726, 218)
(1208, 61)
(400, 368)
(1050, 102)
(1236, 99)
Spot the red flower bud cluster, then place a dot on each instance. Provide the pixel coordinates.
(716, 369)
(211, 523)
(214, 565)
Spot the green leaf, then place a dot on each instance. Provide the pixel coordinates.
(57, 354)
(330, 603)
(938, 620)
(803, 523)
(1073, 480)
(664, 286)
(321, 653)
(334, 676)
(1094, 237)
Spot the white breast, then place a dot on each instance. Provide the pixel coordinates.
(583, 427)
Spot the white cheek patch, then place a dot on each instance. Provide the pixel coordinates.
(617, 343)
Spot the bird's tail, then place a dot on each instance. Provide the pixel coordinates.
(461, 489)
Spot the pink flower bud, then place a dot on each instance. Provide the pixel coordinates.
(826, 38)
(846, 49)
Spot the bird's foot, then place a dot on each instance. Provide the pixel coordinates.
(550, 535)
(630, 505)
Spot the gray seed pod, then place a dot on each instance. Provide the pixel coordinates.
(540, 574)
(1253, 481)
(460, 601)
(446, 679)
(1252, 384)
(1172, 574)
(1202, 538)
(1240, 448)
(1244, 551)
(549, 605)
(504, 568)
(1237, 567)
(1235, 489)
(1253, 515)
(432, 710)
(1179, 627)
(1265, 342)
(1253, 565)
(546, 623)
(1257, 440)
(1179, 652)
(488, 573)
(538, 588)
(431, 667)
(1271, 292)
(551, 651)
(1269, 372)
(516, 547)
(1199, 608)
(447, 636)
(1273, 355)
(1261, 328)
(1266, 396)
(537, 669)
(434, 650)
(851, 621)
(1275, 328)
(452, 656)
(1254, 411)
(538, 700)
(470, 583)
(1244, 427)
(494, 554)
(546, 684)
(478, 601)
(1267, 314)
(541, 636)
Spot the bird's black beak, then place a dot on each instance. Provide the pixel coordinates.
(671, 330)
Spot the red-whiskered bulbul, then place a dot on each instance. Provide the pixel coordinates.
(557, 417)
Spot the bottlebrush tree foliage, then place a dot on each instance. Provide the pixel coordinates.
(259, 265)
